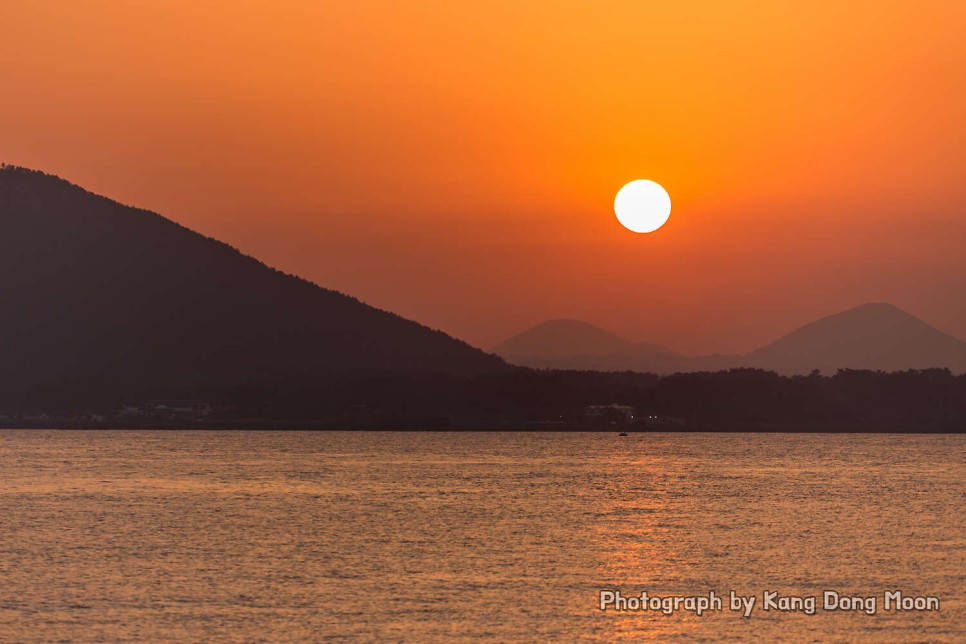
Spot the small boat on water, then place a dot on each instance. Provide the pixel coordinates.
(623, 434)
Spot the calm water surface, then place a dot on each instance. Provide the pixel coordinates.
(300, 536)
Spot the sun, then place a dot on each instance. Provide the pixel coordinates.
(642, 206)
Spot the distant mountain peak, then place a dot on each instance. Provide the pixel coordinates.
(574, 344)
(876, 308)
(569, 323)
(564, 337)
(875, 335)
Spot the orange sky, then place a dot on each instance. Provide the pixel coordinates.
(456, 162)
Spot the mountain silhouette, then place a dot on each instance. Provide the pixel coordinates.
(96, 294)
(872, 336)
(572, 344)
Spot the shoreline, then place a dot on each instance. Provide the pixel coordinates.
(429, 426)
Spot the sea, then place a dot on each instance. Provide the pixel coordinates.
(275, 536)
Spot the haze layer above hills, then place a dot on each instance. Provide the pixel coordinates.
(871, 336)
(95, 294)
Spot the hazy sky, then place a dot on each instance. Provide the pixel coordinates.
(456, 162)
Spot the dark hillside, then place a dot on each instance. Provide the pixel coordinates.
(96, 295)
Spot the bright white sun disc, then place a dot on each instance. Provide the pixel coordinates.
(642, 206)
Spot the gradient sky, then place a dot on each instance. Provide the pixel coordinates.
(456, 162)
